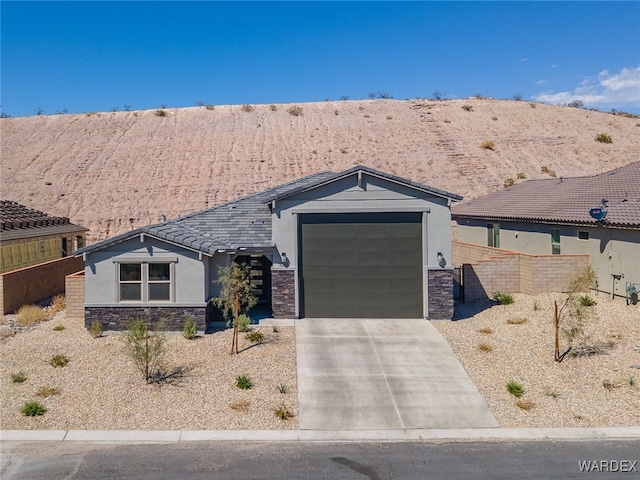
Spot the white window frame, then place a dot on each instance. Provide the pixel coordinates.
(144, 281)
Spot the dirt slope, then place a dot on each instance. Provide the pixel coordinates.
(112, 172)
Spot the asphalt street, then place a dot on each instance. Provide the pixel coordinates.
(321, 460)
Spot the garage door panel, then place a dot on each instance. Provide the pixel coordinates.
(364, 266)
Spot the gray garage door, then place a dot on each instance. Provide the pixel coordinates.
(361, 265)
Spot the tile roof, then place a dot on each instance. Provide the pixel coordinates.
(243, 223)
(18, 221)
(564, 200)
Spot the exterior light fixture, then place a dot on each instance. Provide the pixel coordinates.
(441, 260)
(283, 258)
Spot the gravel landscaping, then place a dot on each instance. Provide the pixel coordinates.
(101, 389)
(586, 391)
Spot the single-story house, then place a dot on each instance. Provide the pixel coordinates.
(596, 215)
(30, 237)
(359, 243)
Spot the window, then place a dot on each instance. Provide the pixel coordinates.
(493, 235)
(144, 282)
(582, 235)
(159, 281)
(79, 242)
(64, 247)
(555, 241)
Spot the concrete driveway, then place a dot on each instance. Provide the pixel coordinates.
(382, 374)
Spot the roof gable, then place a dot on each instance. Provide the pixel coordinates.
(564, 200)
(358, 170)
(246, 222)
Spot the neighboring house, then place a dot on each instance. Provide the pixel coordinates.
(30, 237)
(559, 216)
(359, 243)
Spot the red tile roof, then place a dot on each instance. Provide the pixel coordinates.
(564, 200)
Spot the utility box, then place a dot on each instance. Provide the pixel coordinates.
(615, 264)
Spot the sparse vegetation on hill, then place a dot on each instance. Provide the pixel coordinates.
(115, 171)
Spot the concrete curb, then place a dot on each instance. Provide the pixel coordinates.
(183, 436)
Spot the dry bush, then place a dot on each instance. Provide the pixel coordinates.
(509, 182)
(521, 176)
(517, 321)
(548, 171)
(30, 314)
(247, 108)
(58, 304)
(525, 404)
(604, 138)
(240, 406)
(485, 348)
(273, 108)
(295, 110)
(47, 391)
(488, 145)
(485, 330)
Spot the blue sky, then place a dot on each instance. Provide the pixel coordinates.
(99, 56)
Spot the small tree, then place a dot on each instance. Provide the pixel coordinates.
(572, 317)
(146, 349)
(235, 295)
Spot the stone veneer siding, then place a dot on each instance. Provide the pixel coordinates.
(283, 293)
(440, 293)
(117, 318)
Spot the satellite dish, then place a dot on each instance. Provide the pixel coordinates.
(598, 213)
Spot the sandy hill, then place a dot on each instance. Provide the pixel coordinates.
(112, 172)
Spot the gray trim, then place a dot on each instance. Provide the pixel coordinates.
(391, 209)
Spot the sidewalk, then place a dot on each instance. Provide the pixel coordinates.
(400, 435)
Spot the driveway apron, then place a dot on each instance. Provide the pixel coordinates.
(363, 374)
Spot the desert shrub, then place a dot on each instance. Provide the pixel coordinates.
(295, 110)
(550, 392)
(587, 301)
(47, 391)
(59, 360)
(548, 171)
(282, 388)
(274, 329)
(344, 150)
(503, 298)
(536, 306)
(160, 113)
(210, 107)
(517, 321)
(30, 314)
(254, 336)
(525, 404)
(532, 105)
(273, 108)
(494, 118)
(336, 112)
(241, 406)
(485, 348)
(190, 328)
(247, 108)
(18, 377)
(609, 385)
(95, 329)
(514, 388)
(244, 382)
(147, 349)
(58, 328)
(521, 176)
(32, 409)
(485, 331)
(282, 412)
(488, 145)
(509, 182)
(604, 138)
(467, 108)
(243, 322)
(58, 304)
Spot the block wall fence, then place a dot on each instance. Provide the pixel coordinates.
(31, 284)
(487, 270)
